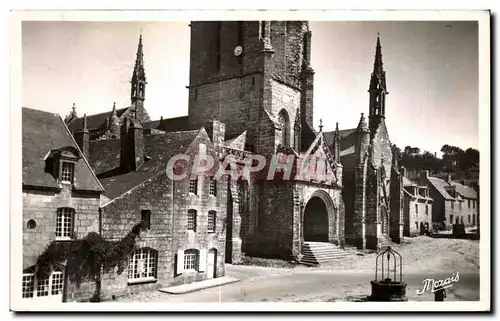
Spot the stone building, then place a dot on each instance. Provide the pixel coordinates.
(373, 188)
(61, 196)
(251, 88)
(186, 219)
(453, 202)
(256, 77)
(417, 208)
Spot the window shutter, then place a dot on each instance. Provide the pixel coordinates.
(203, 261)
(180, 261)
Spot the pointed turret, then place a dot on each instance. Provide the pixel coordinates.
(363, 139)
(71, 116)
(378, 88)
(336, 143)
(362, 125)
(115, 123)
(138, 82)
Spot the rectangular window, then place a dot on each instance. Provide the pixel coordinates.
(64, 223)
(460, 205)
(193, 186)
(28, 285)
(416, 208)
(469, 218)
(191, 260)
(53, 285)
(426, 209)
(451, 219)
(211, 221)
(473, 204)
(67, 172)
(213, 187)
(191, 226)
(452, 204)
(142, 265)
(146, 219)
(416, 225)
(468, 202)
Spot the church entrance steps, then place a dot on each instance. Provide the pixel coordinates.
(384, 241)
(321, 252)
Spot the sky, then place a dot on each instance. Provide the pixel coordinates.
(431, 71)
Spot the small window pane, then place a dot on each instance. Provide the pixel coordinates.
(211, 221)
(67, 172)
(191, 226)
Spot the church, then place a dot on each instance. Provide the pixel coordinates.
(251, 88)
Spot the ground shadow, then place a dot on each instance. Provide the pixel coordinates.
(468, 236)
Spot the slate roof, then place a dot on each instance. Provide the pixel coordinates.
(465, 191)
(105, 159)
(43, 132)
(169, 125)
(95, 121)
(407, 182)
(344, 133)
(440, 186)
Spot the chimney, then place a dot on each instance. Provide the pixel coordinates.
(132, 145)
(424, 176)
(448, 178)
(216, 130)
(82, 138)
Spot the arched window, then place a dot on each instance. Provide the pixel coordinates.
(142, 265)
(284, 124)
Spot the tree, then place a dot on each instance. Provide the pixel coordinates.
(87, 258)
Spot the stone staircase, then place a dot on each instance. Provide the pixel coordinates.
(384, 241)
(315, 253)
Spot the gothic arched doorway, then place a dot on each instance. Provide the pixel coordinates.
(316, 221)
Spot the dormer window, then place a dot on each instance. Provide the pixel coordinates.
(61, 163)
(67, 172)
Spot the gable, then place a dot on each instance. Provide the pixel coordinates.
(45, 134)
(380, 149)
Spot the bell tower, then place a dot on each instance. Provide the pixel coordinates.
(378, 88)
(138, 82)
(250, 75)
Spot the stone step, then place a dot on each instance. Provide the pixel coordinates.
(315, 253)
(326, 255)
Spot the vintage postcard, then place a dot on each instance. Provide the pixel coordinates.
(250, 161)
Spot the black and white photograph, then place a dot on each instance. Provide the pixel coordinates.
(310, 158)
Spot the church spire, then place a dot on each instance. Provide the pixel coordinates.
(378, 88)
(138, 87)
(378, 66)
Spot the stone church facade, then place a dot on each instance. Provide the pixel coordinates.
(251, 93)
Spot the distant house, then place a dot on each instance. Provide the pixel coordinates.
(417, 208)
(453, 202)
(61, 196)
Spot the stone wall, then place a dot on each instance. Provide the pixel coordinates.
(413, 219)
(41, 206)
